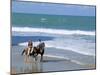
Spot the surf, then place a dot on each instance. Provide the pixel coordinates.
(59, 47)
(53, 31)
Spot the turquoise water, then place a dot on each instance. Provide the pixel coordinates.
(54, 21)
(70, 31)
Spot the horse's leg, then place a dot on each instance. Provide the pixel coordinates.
(26, 59)
(36, 58)
(42, 55)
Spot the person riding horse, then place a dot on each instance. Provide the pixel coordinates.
(34, 51)
(40, 44)
(29, 49)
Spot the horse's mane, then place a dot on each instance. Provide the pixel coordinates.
(35, 47)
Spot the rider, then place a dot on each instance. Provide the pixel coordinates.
(40, 44)
(40, 41)
(30, 46)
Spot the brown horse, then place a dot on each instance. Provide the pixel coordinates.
(34, 51)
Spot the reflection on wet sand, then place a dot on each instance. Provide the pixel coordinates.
(24, 65)
(30, 65)
(27, 65)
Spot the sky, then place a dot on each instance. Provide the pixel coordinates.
(53, 9)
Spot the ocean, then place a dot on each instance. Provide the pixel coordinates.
(76, 33)
(68, 31)
(65, 36)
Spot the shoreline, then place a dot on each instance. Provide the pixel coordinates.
(50, 64)
(54, 60)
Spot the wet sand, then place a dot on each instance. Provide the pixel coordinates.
(23, 64)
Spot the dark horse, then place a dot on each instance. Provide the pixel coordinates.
(34, 51)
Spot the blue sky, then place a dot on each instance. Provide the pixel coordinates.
(55, 9)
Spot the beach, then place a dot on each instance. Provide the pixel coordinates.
(69, 37)
(51, 63)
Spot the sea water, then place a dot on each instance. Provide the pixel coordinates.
(65, 32)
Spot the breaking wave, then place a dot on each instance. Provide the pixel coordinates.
(53, 31)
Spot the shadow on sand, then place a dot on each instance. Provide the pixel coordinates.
(50, 60)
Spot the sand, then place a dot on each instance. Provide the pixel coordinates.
(51, 63)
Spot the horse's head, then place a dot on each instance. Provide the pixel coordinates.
(34, 47)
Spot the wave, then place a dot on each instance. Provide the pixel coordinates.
(65, 58)
(51, 45)
(53, 31)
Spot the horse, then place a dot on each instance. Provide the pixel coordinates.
(35, 51)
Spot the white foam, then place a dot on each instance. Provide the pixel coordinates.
(51, 44)
(71, 60)
(68, 59)
(61, 43)
(52, 31)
